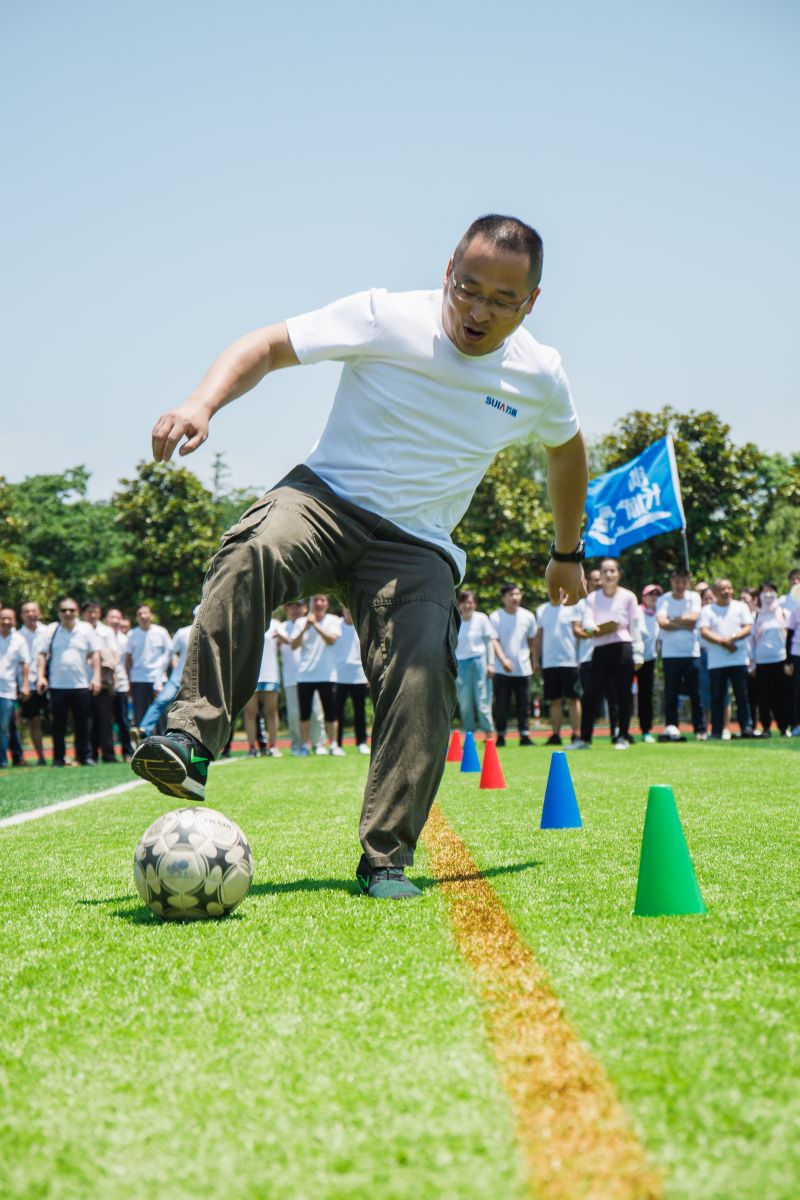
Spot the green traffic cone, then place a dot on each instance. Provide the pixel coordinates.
(667, 884)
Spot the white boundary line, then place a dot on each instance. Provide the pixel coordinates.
(33, 814)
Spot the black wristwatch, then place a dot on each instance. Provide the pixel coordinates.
(576, 556)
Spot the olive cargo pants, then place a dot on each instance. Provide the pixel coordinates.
(301, 539)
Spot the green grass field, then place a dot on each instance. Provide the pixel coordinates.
(320, 1045)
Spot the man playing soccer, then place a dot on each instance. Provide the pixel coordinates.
(434, 384)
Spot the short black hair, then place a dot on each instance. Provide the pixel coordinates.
(466, 594)
(509, 587)
(680, 571)
(509, 233)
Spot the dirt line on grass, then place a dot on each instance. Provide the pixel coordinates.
(574, 1133)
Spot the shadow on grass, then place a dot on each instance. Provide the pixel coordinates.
(141, 915)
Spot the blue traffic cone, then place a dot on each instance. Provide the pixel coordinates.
(469, 759)
(560, 808)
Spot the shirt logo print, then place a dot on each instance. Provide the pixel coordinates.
(501, 406)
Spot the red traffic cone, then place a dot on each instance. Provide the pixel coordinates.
(491, 772)
(454, 753)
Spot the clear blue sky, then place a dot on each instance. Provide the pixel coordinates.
(177, 173)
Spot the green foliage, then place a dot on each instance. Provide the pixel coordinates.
(773, 554)
(726, 488)
(168, 526)
(507, 529)
(55, 540)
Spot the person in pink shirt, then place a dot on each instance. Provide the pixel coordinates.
(613, 618)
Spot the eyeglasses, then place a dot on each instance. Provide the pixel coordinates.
(502, 307)
(70, 612)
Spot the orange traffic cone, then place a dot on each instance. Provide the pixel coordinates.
(491, 772)
(454, 753)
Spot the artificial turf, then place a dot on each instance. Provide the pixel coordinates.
(696, 1018)
(317, 1044)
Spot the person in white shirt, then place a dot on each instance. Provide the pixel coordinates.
(33, 708)
(266, 693)
(69, 668)
(102, 722)
(163, 699)
(296, 610)
(147, 661)
(613, 618)
(769, 662)
(514, 629)
(678, 614)
(585, 646)
(434, 384)
(726, 626)
(113, 620)
(791, 603)
(316, 639)
(14, 662)
(646, 671)
(351, 682)
(476, 651)
(555, 654)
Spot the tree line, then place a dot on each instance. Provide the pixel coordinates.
(152, 541)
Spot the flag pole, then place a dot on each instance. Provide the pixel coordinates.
(686, 550)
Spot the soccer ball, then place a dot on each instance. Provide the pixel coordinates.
(193, 864)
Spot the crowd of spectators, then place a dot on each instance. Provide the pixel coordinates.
(114, 682)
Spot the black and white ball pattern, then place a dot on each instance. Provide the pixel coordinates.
(193, 864)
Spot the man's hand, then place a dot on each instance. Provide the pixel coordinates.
(41, 685)
(189, 421)
(566, 582)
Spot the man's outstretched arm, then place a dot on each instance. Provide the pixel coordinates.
(238, 369)
(567, 481)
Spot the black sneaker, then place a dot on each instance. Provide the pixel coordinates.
(177, 764)
(385, 883)
(554, 740)
(524, 740)
(500, 740)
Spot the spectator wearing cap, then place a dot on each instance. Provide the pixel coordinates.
(726, 626)
(678, 616)
(768, 658)
(645, 674)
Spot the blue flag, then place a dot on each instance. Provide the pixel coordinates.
(634, 502)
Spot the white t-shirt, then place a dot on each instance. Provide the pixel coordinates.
(35, 640)
(348, 656)
(317, 659)
(584, 646)
(13, 654)
(768, 639)
(180, 644)
(269, 671)
(120, 643)
(513, 630)
(794, 624)
(149, 650)
(559, 645)
(71, 651)
(474, 637)
(289, 657)
(679, 643)
(789, 603)
(415, 423)
(651, 632)
(726, 621)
